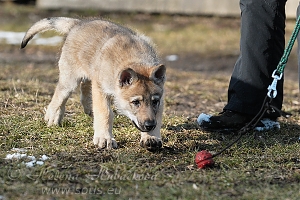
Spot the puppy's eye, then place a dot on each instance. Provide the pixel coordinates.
(136, 103)
(155, 102)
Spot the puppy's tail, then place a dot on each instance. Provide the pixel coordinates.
(62, 25)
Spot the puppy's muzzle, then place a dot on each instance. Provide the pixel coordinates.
(148, 126)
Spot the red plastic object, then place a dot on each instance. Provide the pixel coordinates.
(204, 159)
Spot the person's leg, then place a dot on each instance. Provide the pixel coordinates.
(298, 49)
(261, 47)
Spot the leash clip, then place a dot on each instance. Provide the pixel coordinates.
(272, 93)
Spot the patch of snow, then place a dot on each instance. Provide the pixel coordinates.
(44, 157)
(203, 118)
(171, 58)
(39, 162)
(195, 187)
(48, 41)
(30, 163)
(33, 161)
(268, 125)
(31, 157)
(11, 37)
(15, 38)
(15, 156)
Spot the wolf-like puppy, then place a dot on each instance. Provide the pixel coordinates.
(108, 61)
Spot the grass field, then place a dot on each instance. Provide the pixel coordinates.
(260, 166)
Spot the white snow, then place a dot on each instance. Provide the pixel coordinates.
(15, 38)
(171, 58)
(268, 125)
(48, 41)
(44, 157)
(203, 117)
(30, 163)
(11, 37)
(15, 156)
(33, 160)
(195, 187)
(31, 157)
(39, 162)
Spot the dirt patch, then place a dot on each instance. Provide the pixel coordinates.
(217, 63)
(208, 100)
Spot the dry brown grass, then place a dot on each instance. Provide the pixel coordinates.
(260, 166)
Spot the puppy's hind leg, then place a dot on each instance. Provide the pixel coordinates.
(86, 96)
(56, 109)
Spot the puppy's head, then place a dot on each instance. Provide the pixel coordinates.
(140, 95)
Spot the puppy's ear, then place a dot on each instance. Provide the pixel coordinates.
(158, 74)
(127, 77)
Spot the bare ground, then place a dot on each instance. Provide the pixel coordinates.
(260, 166)
(190, 105)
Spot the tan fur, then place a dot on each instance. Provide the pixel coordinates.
(108, 61)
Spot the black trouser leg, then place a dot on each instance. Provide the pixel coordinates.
(261, 47)
(298, 49)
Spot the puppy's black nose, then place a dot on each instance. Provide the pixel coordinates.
(150, 125)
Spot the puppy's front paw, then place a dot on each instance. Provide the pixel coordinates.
(151, 142)
(103, 142)
(53, 117)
